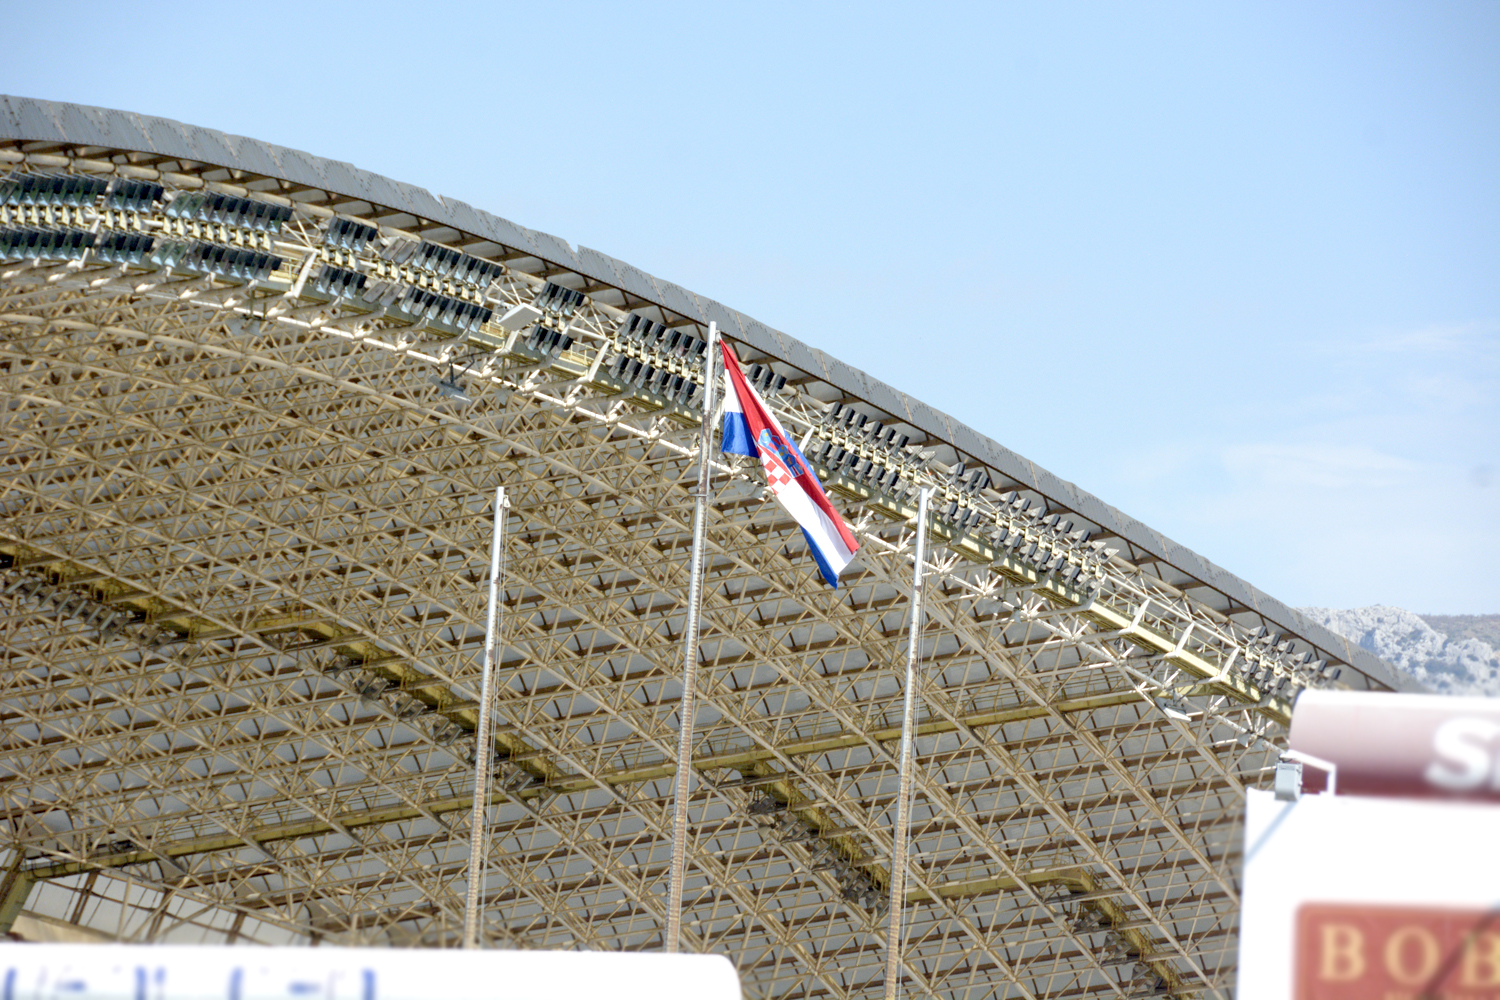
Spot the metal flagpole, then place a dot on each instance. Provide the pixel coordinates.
(484, 759)
(677, 871)
(903, 793)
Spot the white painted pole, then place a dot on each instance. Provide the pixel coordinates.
(484, 758)
(677, 870)
(900, 836)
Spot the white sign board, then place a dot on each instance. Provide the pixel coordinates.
(204, 972)
(1393, 894)
(1349, 898)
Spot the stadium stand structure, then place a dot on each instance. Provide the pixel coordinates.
(255, 405)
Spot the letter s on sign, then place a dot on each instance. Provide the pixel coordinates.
(1464, 760)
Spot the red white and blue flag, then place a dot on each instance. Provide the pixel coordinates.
(750, 429)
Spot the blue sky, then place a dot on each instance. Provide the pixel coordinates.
(1234, 268)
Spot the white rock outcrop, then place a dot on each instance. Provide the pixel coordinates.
(1448, 666)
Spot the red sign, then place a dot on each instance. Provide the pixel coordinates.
(1401, 745)
(1359, 952)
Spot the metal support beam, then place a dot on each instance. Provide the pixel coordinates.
(14, 890)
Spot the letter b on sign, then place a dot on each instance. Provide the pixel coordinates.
(1342, 951)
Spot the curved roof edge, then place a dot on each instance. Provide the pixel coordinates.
(26, 119)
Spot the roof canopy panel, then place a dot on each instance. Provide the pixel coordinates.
(244, 546)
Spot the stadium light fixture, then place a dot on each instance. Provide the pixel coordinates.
(347, 234)
(1173, 708)
(45, 244)
(1288, 783)
(50, 189)
(241, 213)
(559, 301)
(451, 387)
(133, 196)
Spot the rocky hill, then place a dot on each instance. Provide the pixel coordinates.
(1485, 628)
(1452, 654)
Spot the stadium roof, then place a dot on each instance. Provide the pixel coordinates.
(244, 540)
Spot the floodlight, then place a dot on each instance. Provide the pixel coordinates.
(346, 234)
(133, 196)
(370, 686)
(548, 341)
(45, 244)
(444, 262)
(559, 301)
(340, 664)
(633, 372)
(124, 248)
(1288, 783)
(231, 262)
(439, 260)
(399, 251)
(1115, 945)
(764, 378)
(473, 271)
(451, 387)
(241, 213)
(765, 805)
(625, 368)
(424, 305)
(338, 283)
(1088, 920)
(50, 189)
(382, 293)
(1173, 707)
(445, 731)
(407, 707)
(637, 327)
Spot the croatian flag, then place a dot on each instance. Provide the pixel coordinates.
(750, 429)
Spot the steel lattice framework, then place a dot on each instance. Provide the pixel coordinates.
(244, 545)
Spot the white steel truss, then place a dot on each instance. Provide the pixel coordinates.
(243, 552)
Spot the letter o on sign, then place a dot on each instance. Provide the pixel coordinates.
(1412, 955)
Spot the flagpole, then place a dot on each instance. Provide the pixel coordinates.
(903, 789)
(483, 757)
(677, 870)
